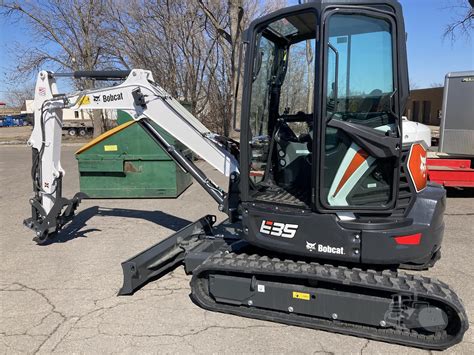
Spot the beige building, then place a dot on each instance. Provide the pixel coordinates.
(424, 106)
(9, 111)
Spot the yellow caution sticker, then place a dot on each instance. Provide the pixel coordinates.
(301, 295)
(85, 100)
(110, 148)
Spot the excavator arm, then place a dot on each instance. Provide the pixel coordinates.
(146, 102)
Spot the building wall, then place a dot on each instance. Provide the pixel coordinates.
(424, 106)
(9, 111)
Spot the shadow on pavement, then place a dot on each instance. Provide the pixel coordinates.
(76, 228)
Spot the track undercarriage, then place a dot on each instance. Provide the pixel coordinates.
(230, 276)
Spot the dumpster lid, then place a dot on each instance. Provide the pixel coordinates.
(104, 135)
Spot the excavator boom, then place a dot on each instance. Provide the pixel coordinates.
(140, 97)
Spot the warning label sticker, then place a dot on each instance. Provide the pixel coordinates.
(110, 148)
(301, 295)
(85, 100)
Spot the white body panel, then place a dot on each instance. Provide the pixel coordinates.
(50, 160)
(415, 132)
(340, 198)
(412, 132)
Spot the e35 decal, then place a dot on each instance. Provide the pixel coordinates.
(284, 230)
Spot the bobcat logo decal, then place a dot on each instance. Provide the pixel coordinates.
(311, 246)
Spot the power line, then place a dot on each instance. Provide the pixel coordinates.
(15, 92)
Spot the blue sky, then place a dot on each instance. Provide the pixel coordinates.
(430, 56)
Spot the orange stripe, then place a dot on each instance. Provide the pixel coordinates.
(359, 158)
(104, 135)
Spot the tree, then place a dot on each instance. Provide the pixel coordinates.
(229, 31)
(228, 20)
(191, 47)
(463, 20)
(170, 39)
(67, 35)
(18, 96)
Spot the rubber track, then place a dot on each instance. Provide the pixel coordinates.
(224, 262)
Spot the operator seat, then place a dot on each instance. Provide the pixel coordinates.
(371, 101)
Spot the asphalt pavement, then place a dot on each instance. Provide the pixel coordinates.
(63, 297)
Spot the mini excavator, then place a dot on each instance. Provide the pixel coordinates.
(326, 201)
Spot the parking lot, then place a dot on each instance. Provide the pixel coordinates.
(63, 297)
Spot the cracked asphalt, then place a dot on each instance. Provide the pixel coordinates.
(62, 298)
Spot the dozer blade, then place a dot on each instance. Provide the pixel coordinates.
(163, 256)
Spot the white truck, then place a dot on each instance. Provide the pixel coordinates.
(77, 122)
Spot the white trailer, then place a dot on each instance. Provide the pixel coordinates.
(453, 163)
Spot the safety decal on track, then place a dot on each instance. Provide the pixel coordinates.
(110, 148)
(301, 295)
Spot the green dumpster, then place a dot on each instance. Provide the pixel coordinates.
(125, 162)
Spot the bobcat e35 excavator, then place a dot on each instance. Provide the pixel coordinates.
(324, 201)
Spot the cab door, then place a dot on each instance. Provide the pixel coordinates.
(360, 135)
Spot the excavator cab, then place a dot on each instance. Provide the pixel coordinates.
(324, 89)
(323, 166)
